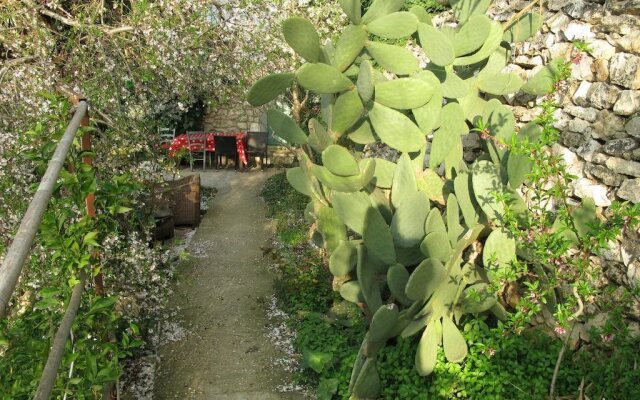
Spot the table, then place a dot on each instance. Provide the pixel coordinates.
(181, 142)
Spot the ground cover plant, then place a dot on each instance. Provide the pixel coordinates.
(421, 251)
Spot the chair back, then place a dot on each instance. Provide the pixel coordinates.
(196, 140)
(167, 134)
(226, 145)
(257, 141)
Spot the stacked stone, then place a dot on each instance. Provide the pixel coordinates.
(235, 116)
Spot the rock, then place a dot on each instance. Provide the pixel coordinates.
(604, 174)
(583, 69)
(561, 120)
(600, 69)
(599, 158)
(561, 50)
(630, 250)
(629, 43)
(602, 95)
(620, 24)
(601, 49)
(589, 149)
(633, 127)
(624, 7)
(630, 190)
(573, 139)
(628, 102)
(617, 147)
(578, 125)
(624, 70)
(608, 126)
(635, 155)
(582, 10)
(587, 188)
(585, 113)
(558, 22)
(556, 5)
(576, 30)
(612, 251)
(580, 95)
(574, 165)
(622, 166)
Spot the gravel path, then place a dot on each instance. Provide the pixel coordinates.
(220, 298)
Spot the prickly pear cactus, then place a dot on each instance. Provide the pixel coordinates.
(402, 237)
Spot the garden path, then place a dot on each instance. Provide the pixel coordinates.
(220, 298)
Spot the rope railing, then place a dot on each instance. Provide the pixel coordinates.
(20, 247)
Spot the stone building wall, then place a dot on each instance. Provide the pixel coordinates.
(599, 117)
(236, 116)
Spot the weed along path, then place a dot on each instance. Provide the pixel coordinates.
(220, 298)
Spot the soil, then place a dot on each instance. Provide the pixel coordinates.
(220, 300)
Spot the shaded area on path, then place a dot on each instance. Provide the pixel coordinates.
(220, 298)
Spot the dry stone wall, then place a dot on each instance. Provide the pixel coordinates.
(235, 116)
(599, 114)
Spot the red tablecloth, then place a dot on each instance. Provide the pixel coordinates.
(181, 142)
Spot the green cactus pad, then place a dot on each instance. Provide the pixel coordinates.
(352, 9)
(380, 8)
(338, 160)
(362, 134)
(285, 127)
(336, 182)
(347, 111)
(518, 166)
(349, 46)
(436, 245)
(453, 86)
(466, 199)
(350, 291)
(269, 87)
(367, 170)
(433, 185)
(454, 161)
(397, 278)
(444, 141)
(464, 9)
(395, 129)
(403, 93)
(301, 35)
(377, 237)
(319, 138)
(322, 78)
(384, 173)
(428, 116)
(445, 294)
(500, 84)
(472, 35)
(481, 300)
(472, 104)
(366, 270)
(383, 322)
(395, 59)
(404, 180)
(343, 259)
(368, 384)
(455, 347)
(380, 200)
(409, 255)
(421, 13)
(394, 26)
(500, 121)
(427, 352)
(366, 81)
(454, 229)
(299, 181)
(407, 226)
(434, 222)
(436, 45)
(332, 229)
(425, 279)
(542, 82)
(453, 119)
(352, 209)
(499, 250)
(490, 45)
(486, 182)
(524, 28)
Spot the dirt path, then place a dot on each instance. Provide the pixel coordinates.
(220, 299)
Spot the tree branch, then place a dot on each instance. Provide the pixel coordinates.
(76, 24)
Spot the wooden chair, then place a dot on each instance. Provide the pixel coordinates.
(257, 145)
(166, 136)
(197, 145)
(226, 146)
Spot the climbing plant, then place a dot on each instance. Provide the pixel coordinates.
(417, 248)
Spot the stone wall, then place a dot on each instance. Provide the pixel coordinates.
(599, 117)
(235, 116)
